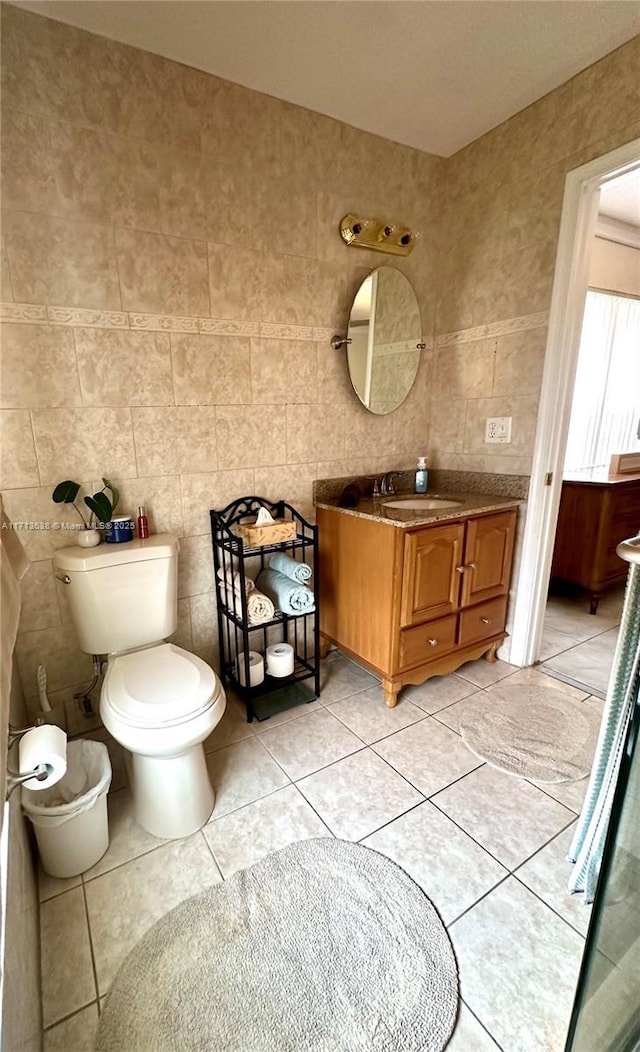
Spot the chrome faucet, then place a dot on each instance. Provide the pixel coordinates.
(386, 482)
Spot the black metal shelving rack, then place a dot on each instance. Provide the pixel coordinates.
(237, 636)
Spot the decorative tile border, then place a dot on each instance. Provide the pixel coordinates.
(98, 319)
(286, 332)
(93, 319)
(530, 321)
(162, 323)
(493, 329)
(226, 327)
(25, 312)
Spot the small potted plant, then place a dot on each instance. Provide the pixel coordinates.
(101, 508)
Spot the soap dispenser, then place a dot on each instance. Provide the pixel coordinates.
(421, 476)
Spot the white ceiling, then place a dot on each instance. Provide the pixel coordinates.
(620, 199)
(434, 74)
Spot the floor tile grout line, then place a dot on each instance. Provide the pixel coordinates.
(548, 905)
(403, 814)
(480, 1023)
(484, 895)
(546, 844)
(91, 946)
(211, 852)
(71, 1015)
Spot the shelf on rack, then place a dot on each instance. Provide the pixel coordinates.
(287, 697)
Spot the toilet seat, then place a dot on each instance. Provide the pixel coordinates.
(159, 686)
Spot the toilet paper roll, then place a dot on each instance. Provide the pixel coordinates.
(280, 659)
(45, 745)
(256, 669)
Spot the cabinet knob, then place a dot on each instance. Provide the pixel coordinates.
(471, 566)
(486, 620)
(460, 569)
(432, 642)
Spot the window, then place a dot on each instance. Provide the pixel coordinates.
(605, 415)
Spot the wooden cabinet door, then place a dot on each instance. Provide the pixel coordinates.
(487, 557)
(430, 581)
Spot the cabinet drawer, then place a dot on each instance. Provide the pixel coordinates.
(482, 621)
(427, 641)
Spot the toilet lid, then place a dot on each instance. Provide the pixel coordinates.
(159, 686)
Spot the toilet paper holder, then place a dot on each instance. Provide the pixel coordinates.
(15, 778)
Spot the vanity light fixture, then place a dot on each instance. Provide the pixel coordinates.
(378, 234)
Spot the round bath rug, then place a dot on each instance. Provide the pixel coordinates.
(325, 946)
(534, 732)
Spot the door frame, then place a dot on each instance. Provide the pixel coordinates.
(570, 282)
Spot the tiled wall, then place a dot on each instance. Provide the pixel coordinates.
(172, 274)
(499, 222)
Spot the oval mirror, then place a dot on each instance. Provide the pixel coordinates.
(385, 333)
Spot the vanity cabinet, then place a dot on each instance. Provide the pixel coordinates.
(414, 603)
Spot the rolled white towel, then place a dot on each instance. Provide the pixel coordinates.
(259, 608)
(232, 579)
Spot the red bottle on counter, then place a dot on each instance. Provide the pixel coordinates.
(143, 524)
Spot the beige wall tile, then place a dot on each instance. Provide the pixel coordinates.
(284, 371)
(39, 600)
(519, 362)
(6, 287)
(162, 275)
(523, 411)
(48, 67)
(83, 443)
(334, 384)
(57, 649)
(160, 495)
(61, 262)
(520, 285)
(168, 439)
(28, 184)
(124, 367)
(212, 489)
(204, 621)
(312, 436)
(447, 425)
(465, 371)
(18, 464)
(367, 433)
(35, 506)
(506, 465)
(38, 367)
(241, 124)
(292, 484)
(211, 370)
(251, 436)
(237, 283)
(195, 566)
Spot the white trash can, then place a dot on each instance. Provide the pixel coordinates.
(70, 818)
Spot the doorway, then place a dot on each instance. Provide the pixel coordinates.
(571, 280)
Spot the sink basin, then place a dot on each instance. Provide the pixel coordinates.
(422, 504)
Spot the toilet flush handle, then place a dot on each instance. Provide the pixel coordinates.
(63, 577)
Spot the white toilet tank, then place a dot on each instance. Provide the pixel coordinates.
(121, 595)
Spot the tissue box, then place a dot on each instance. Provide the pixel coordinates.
(271, 533)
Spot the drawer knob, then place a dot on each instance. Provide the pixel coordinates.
(486, 620)
(432, 642)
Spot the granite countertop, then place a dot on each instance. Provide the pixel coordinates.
(376, 507)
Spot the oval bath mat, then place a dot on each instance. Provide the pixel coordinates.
(534, 732)
(325, 946)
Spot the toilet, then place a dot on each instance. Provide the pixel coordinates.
(158, 700)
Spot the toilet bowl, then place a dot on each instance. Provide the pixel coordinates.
(160, 703)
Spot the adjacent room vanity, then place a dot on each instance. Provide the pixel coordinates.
(415, 593)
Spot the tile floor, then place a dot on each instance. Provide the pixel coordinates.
(487, 848)
(578, 647)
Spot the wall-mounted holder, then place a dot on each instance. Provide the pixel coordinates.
(381, 235)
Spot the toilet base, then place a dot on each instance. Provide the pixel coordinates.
(172, 795)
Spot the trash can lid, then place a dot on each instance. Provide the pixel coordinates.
(161, 685)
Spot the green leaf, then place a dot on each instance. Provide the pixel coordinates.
(65, 492)
(101, 506)
(115, 494)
